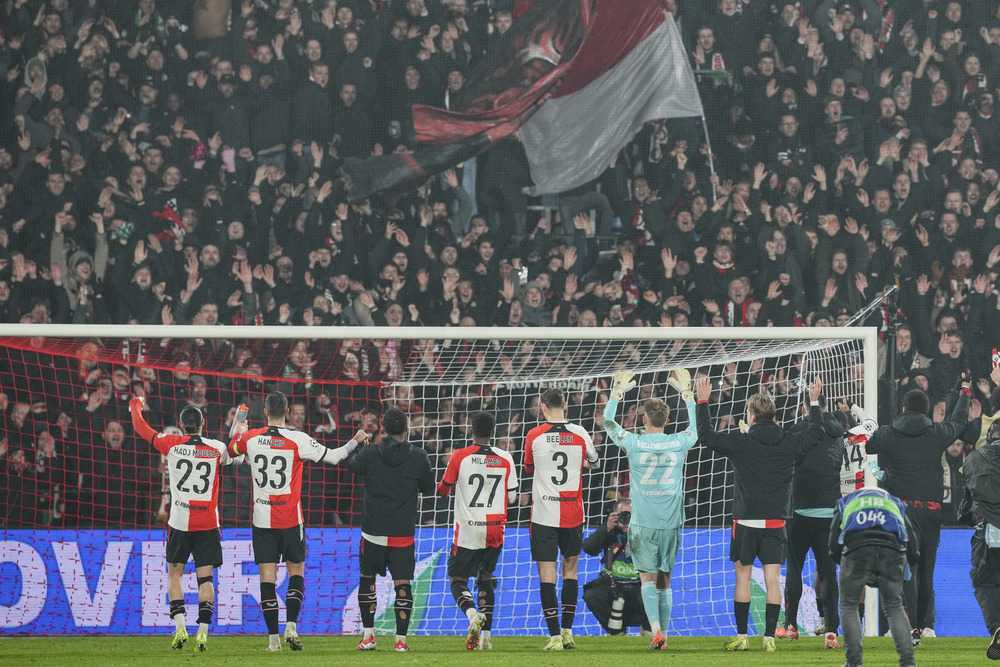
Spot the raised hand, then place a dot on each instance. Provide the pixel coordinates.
(830, 291)
(923, 284)
(571, 285)
(680, 380)
(622, 383)
(702, 388)
(815, 389)
(669, 260)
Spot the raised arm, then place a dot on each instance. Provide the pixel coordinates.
(951, 428)
(335, 456)
(449, 478)
(142, 429)
(723, 443)
(681, 381)
(621, 384)
(814, 434)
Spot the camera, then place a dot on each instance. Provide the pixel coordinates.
(624, 518)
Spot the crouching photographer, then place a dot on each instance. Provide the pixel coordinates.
(614, 597)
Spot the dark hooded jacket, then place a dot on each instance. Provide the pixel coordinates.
(763, 461)
(817, 470)
(394, 472)
(910, 448)
(982, 482)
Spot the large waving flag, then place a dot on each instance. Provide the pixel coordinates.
(577, 77)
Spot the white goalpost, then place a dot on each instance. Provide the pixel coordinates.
(341, 379)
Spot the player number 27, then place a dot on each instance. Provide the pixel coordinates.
(667, 461)
(204, 476)
(480, 483)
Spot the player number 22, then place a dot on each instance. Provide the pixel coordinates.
(667, 460)
(204, 476)
(480, 483)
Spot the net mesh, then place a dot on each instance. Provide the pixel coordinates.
(84, 501)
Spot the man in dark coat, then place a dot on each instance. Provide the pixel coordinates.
(910, 450)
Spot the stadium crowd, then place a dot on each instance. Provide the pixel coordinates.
(147, 177)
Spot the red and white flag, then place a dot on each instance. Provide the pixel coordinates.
(631, 69)
(579, 78)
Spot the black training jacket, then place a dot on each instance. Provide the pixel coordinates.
(393, 472)
(910, 448)
(817, 470)
(982, 482)
(763, 461)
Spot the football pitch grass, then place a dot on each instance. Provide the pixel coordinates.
(593, 651)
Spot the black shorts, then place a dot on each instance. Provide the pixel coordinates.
(374, 559)
(548, 542)
(467, 563)
(768, 545)
(206, 545)
(272, 545)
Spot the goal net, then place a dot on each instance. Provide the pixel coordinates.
(83, 501)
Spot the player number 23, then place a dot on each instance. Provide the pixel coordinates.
(667, 461)
(204, 476)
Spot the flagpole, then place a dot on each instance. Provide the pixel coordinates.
(711, 162)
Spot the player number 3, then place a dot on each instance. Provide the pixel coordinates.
(561, 459)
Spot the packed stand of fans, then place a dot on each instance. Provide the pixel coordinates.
(148, 177)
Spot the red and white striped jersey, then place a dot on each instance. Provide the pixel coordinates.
(193, 466)
(554, 452)
(275, 455)
(481, 477)
(852, 473)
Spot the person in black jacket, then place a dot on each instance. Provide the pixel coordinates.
(618, 579)
(393, 472)
(763, 460)
(982, 509)
(909, 451)
(815, 492)
(976, 430)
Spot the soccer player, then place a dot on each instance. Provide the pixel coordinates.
(479, 475)
(556, 453)
(193, 465)
(815, 492)
(852, 474)
(275, 454)
(763, 461)
(394, 472)
(656, 471)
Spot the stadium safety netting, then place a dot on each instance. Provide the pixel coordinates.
(83, 501)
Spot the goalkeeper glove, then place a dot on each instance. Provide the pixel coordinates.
(743, 427)
(622, 384)
(877, 472)
(680, 380)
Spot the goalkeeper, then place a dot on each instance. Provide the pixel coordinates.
(763, 460)
(656, 471)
